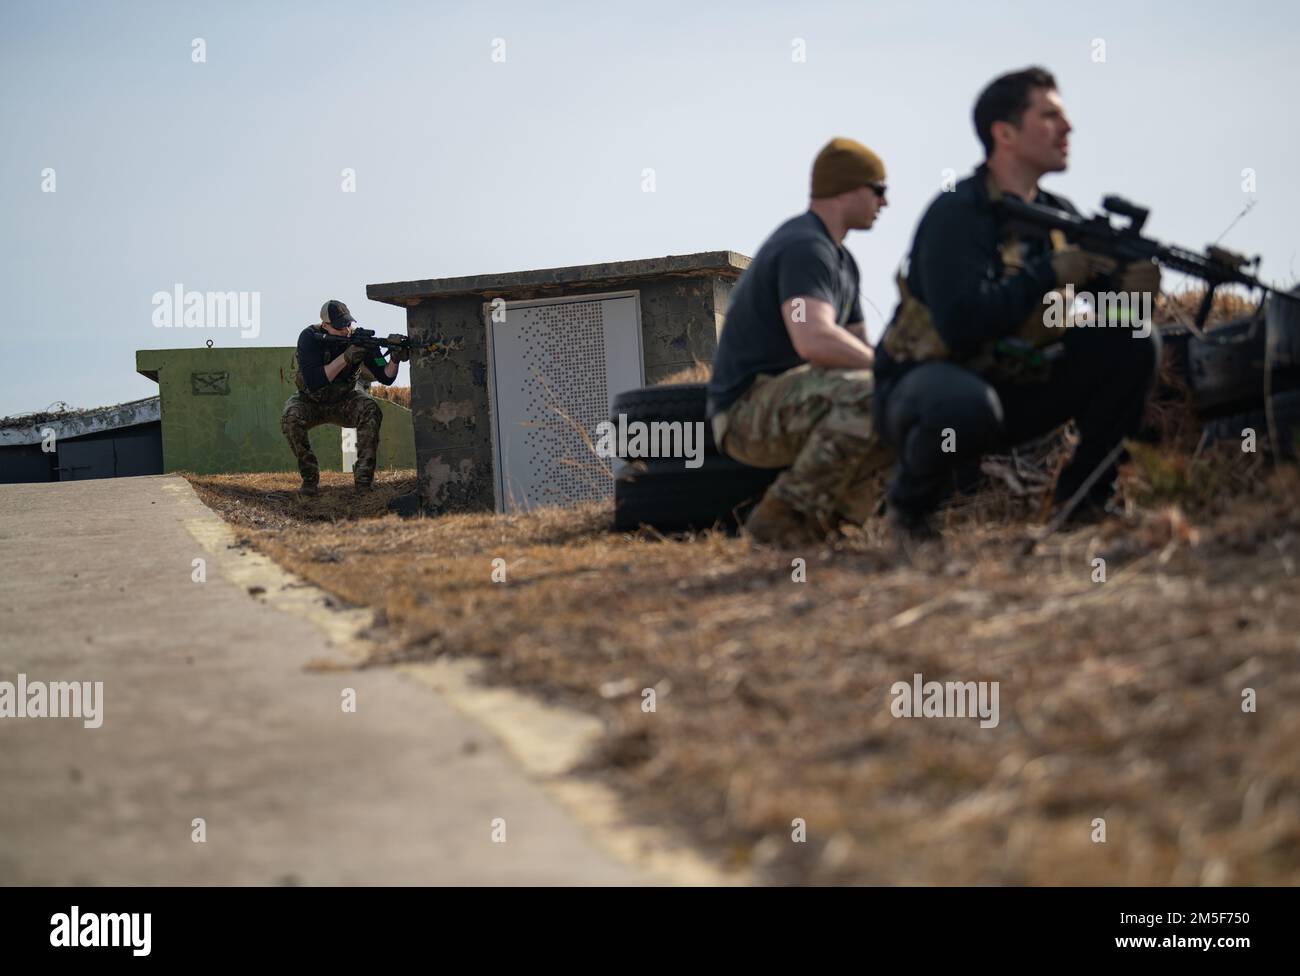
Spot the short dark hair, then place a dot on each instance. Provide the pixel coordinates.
(1005, 100)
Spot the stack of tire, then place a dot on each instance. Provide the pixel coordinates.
(1226, 373)
(663, 493)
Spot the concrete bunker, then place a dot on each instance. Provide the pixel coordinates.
(221, 413)
(527, 363)
(119, 441)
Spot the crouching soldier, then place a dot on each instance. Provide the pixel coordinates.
(330, 392)
(792, 383)
(971, 362)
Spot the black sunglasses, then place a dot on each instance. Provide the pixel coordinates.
(879, 189)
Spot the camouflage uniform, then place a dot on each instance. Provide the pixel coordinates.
(818, 422)
(342, 402)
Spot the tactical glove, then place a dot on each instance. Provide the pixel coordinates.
(1141, 276)
(356, 355)
(1074, 266)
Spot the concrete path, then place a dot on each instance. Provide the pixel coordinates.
(208, 713)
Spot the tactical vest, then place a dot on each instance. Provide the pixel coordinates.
(1024, 355)
(339, 388)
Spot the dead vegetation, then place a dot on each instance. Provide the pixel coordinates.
(271, 502)
(697, 372)
(401, 395)
(1180, 307)
(1120, 700)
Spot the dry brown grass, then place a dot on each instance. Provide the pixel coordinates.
(697, 372)
(271, 502)
(401, 395)
(1119, 700)
(1180, 307)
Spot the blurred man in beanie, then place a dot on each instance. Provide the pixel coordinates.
(969, 363)
(792, 383)
(328, 377)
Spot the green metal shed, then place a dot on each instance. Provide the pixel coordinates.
(221, 412)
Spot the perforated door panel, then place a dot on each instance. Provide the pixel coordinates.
(556, 366)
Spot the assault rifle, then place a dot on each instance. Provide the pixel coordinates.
(376, 344)
(1215, 266)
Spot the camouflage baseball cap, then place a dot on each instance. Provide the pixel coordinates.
(336, 314)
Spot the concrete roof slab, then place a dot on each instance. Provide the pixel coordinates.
(407, 293)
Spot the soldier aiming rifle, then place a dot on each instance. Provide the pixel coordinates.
(327, 371)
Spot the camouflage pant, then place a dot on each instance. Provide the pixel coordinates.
(818, 422)
(359, 410)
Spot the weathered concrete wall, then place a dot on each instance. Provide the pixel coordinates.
(721, 296)
(679, 328)
(449, 405)
(221, 412)
(682, 303)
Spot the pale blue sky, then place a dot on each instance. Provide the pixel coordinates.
(225, 176)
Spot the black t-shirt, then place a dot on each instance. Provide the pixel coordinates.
(800, 258)
(313, 354)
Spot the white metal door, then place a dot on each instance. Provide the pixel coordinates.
(555, 366)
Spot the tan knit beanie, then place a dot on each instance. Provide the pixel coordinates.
(843, 165)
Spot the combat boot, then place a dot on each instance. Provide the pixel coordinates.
(363, 474)
(912, 527)
(913, 535)
(775, 522)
